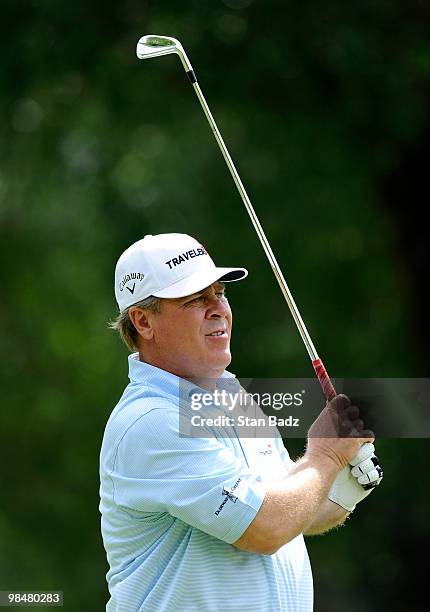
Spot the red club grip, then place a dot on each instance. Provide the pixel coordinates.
(323, 377)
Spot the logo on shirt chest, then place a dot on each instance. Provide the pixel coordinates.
(266, 450)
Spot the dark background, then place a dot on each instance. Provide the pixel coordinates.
(325, 108)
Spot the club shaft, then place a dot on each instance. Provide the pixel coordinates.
(152, 45)
(320, 370)
(318, 365)
(260, 232)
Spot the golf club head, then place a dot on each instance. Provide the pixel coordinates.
(153, 45)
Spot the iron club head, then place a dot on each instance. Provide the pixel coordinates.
(152, 45)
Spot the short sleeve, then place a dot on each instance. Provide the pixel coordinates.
(198, 480)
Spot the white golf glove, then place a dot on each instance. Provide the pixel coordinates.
(353, 484)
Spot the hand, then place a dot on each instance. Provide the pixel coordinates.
(351, 486)
(338, 432)
(366, 468)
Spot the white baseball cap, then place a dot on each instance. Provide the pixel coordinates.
(167, 266)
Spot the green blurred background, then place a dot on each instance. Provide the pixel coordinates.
(325, 108)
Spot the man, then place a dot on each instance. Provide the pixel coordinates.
(194, 523)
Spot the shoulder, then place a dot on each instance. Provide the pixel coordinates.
(138, 416)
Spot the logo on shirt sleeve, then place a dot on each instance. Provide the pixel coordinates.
(228, 495)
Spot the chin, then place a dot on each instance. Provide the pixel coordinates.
(226, 361)
(218, 362)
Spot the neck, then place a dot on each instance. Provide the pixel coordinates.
(205, 380)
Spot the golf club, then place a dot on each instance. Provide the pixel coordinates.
(153, 46)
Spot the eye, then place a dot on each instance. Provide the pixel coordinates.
(195, 300)
(201, 299)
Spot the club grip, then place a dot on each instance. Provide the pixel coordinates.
(323, 377)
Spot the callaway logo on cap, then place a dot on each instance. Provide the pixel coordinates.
(166, 266)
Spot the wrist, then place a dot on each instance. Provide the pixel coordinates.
(327, 463)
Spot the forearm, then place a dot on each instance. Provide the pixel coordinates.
(290, 506)
(329, 515)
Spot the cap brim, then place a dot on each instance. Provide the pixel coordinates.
(200, 280)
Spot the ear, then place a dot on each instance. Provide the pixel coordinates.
(141, 319)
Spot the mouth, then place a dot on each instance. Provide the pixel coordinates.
(217, 334)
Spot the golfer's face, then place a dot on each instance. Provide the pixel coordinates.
(194, 333)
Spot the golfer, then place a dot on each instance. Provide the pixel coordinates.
(208, 523)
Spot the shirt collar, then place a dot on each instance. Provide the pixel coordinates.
(141, 372)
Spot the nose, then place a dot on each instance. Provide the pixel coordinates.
(218, 308)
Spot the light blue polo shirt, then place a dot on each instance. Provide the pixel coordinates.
(172, 506)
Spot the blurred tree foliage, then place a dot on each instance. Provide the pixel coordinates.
(320, 105)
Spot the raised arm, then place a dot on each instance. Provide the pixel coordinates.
(292, 505)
